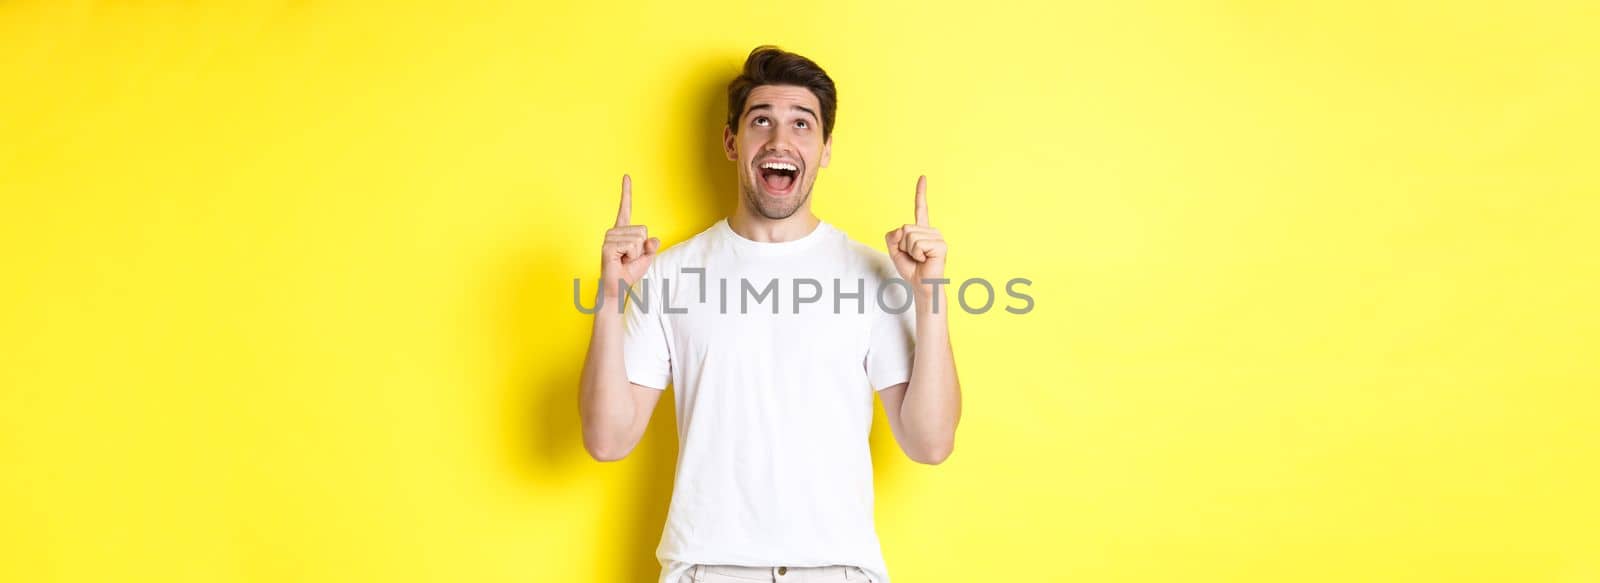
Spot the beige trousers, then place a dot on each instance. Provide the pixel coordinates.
(735, 574)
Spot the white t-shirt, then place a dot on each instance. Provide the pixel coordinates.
(773, 409)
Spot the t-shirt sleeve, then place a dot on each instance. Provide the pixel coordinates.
(892, 342)
(644, 344)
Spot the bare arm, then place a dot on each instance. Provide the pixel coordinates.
(924, 412)
(614, 411)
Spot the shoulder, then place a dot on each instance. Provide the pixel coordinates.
(870, 261)
(689, 251)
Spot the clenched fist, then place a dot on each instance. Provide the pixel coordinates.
(628, 249)
(918, 249)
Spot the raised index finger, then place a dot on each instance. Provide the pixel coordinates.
(625, 209)
(922, 200)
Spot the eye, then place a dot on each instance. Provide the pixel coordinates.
(760, 121)
(802, 124)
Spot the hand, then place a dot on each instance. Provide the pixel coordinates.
(918, 250)
(627, 251)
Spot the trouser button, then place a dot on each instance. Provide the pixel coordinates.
(783, 570)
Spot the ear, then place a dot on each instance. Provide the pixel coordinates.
(730, 144)
(827, 152)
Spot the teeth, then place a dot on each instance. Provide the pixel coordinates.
(780, 166)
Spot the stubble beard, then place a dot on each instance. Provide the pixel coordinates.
(771, 207)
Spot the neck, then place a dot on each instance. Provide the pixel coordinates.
(753, 226)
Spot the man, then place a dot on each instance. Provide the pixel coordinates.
(774, 475)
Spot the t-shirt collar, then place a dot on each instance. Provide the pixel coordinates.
(771, 248)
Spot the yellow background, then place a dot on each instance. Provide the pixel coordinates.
(285, 288)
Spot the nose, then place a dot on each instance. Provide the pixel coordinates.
(779, 143)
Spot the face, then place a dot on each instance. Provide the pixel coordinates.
(779, 148)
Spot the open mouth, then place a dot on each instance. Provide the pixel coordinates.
(778, 176)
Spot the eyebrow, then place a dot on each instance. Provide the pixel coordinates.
(768, 106)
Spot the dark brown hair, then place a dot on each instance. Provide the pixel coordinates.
(770, 65)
